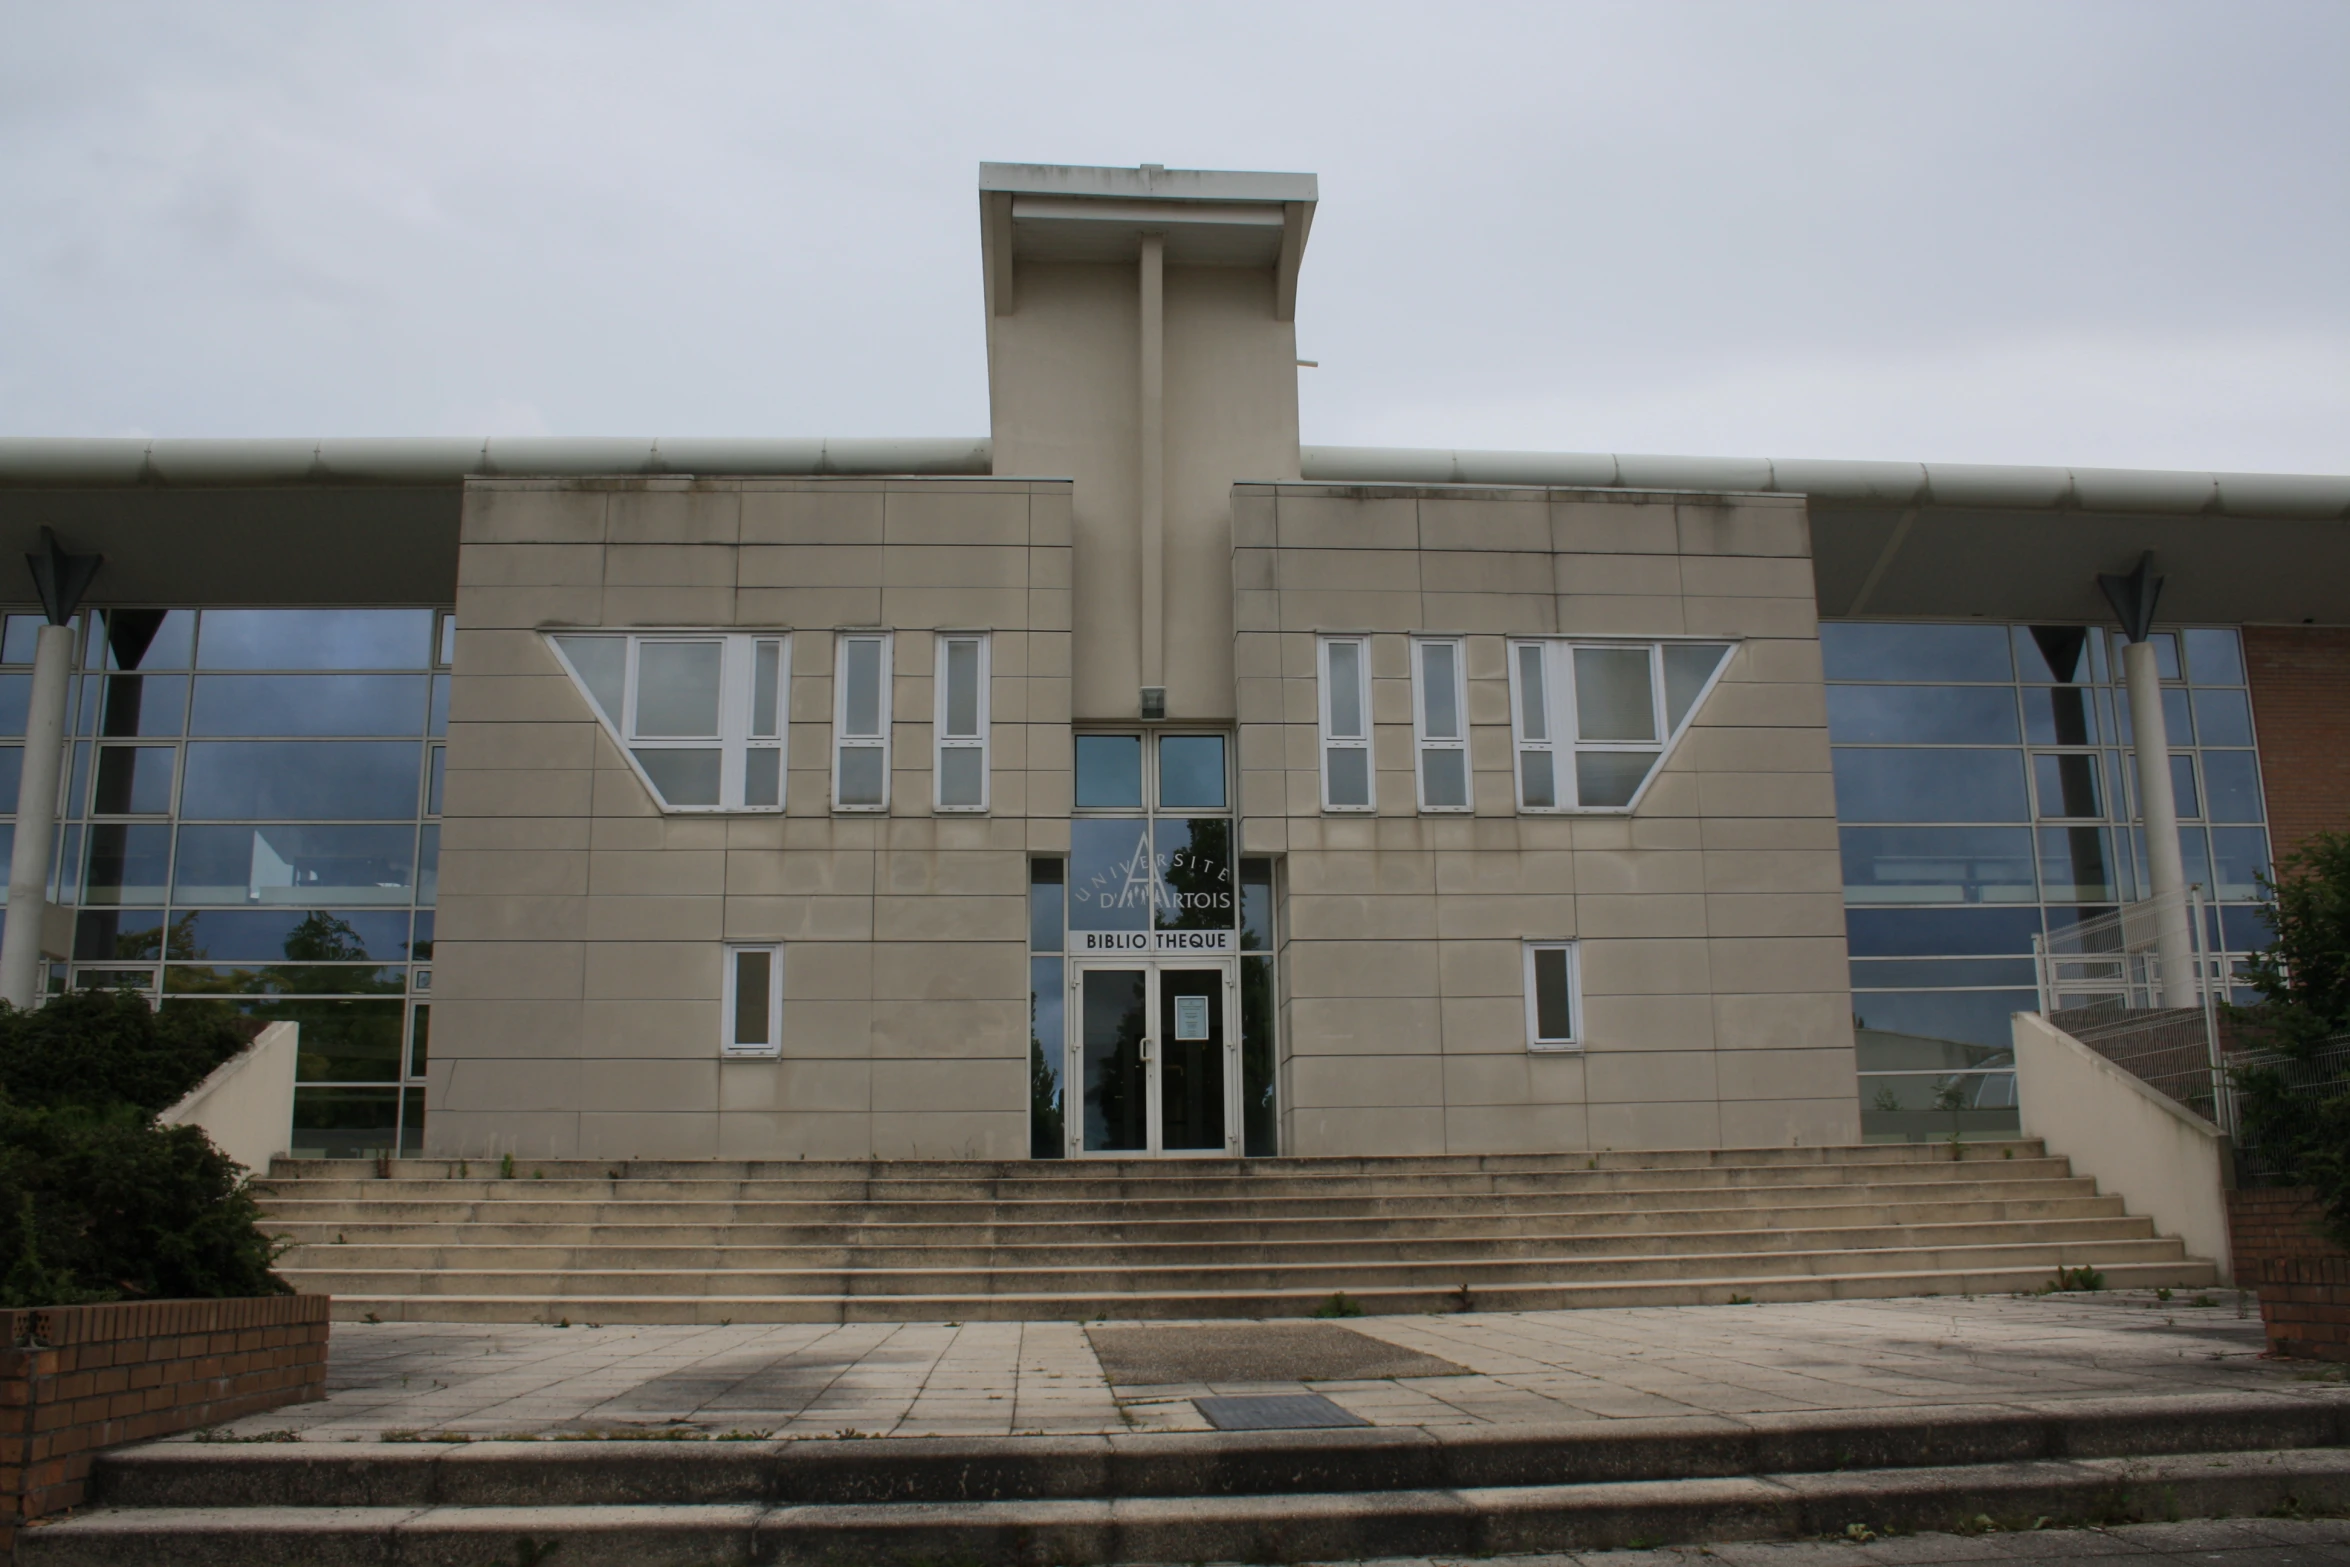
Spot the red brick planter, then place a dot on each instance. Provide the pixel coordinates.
(2303, 1278)
(75, 1379)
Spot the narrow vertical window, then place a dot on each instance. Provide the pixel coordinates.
(1439, 709)
(1346, 725)
(1553, 995)
(763, 741)
(1530, 699)
(960, 724)
(860, 725)
(754, 1001)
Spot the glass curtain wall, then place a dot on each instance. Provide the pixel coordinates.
(1985, 794)
(250, 823)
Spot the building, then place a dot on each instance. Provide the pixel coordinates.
(1134, 779)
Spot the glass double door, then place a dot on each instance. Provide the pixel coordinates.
(1154, 1048)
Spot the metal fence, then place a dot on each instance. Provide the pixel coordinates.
(2321, 1074)
(2102, 981)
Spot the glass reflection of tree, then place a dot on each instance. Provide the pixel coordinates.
(1197, 877)
(1045, 1130)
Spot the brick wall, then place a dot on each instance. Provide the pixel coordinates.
(76, 1379)
(2303, 1278)
(2301, 706)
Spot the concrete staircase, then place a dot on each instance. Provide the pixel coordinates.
(428, 1240)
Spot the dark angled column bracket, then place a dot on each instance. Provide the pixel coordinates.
(59, 578)
(2133, 597)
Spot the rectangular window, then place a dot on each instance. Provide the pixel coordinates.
(1440, 724)
(960, 724)
(860, 724)
(700, 715)
(1592, 722)
(1554, 996)
(754, 1001)
(1346, 724)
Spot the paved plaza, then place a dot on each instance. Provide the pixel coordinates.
(1010, 1378)
(2208, 1542)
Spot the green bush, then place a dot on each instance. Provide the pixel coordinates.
(97, 1202)
(2304, 984)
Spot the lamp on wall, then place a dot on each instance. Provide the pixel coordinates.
(1154, 701)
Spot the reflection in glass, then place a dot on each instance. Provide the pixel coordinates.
(1610, 777)
(315, 639)
(1346, 690)
(16, 695)
(133, 780)
(754, 979)
(2068, 785)
(1047, 893)
(1191, 772)
(677, 689)
(1938, 865)
(1047, 1034)
(1110, 874)
(1919, 933)
(419, 1038)
(145, 638)
(1554, 1015)
(344, 1123)
(2239, 859)
(1964, 1018)
(962, 694)
(1923, 715)
(11, 777)
(1614, 699)
(128, 864)
(284, 979)
(762, 778)
(959, 775)
(1688, 666)
(861, 687)
(2178, 721)
(1191, 1059)
(1350, 775)
(1874, 650)
(1259, 1116)
(1112, 1023)
(1444, 777)
(19, 634)
(1440, 690)
(1535, 780)
(2062, 715)
(140, 705)
(689, 776)
(2184, 798)
(103, 935)
(1942, 785)
(602, 663)
(310, 780)
(1533, 708)
(2215, 657)
(428, 863)
(1938, 973)
(2076, 864)
(860, 776)
(2065, 655)
(2223, 718)
(440, 773)
(766, 690)
(302, 935)
(309, 705)
(1194, 863)
(1109, 772)
(2233, 780)
(306, 865)
(438, 722)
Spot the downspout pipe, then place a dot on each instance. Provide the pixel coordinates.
(61, 580)
(2133, 598)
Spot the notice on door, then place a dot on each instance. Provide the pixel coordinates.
(1191, 1018)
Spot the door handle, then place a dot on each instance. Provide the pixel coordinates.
(1148, 1045)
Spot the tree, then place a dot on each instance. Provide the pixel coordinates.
(2296, 1113)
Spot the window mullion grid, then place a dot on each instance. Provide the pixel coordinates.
(1423, 741)
(1329, 738)
(943, 739)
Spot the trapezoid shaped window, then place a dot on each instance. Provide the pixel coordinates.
(1592, 721)
(698, 714)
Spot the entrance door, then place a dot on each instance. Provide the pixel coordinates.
(1154, 1049)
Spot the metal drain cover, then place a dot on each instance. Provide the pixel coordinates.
(1276, 1412)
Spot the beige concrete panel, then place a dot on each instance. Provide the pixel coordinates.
(651, 832)
(1260, 701)
(1726, 750)
(1770, 833)
(1314, 609)
(1046, 835)
(809, 919)
(1821, 1020)
(1484, 1025)
(1766, 794)
(504, 650)
(1778, 963)
(950, 1031)
(928, 516)
(1777, 660)
(1252, 519)
(810, 565)
(671, 606)
(1755, 704)
(1481, 968)
(954, 874)
(1791, 1123)
(1253, 612)
(1749, 526)
(486, 608)
(1645, 968)
(1512, 614)
(619, 794)
(654, 919)
(1051, 515)
(506, 512)
(1539, 871)
(1672, 1021)
(1747, 576)
(542, 872)
(1334, 523)
(1313, 1130)
(518, 699)
(1051, 568)
(1774, 914)
(550, 745)
(936, 1086)
(1350, 871)
(1258, 653)
(955, 566)
(630, 1135)
(1655, 1125)
(504, 916)
(958, 1134)
(509, 970)
(667, 871)
(1673, 792)
(785, 608)
(931, 917)
(1487, 1079)
(950, 971)
(498, 1084)
(1643, 576)
(648, 1087)
(1355, 917)
(762, 833)
(657, 513)
(1348, 570)
(1482, 524)
(1051, 748)
(666, 1029)
(1600, 873)
(1477, 572)
(1773, 871)
(1671, 833)
(1614, 527)
(811, 516)
(1046, 701)
(1539, 1128)
(1252, 570)
(530, 565)
(1787, 1074)
(1506, 916)
(1619, 615)
(802, 1086)
(469, 1026)
(1351, 1027)
(1388, 1080)
(459, 1134)
(1049, 609)
(749, 1134)
(519, 791)
(1747, 617)
(820, 1028)
(654, 971)
(1640, 914)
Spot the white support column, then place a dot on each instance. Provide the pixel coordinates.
(36, 819)
(2166, 869)
(1153, 409)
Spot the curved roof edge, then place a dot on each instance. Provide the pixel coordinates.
(28, 462)
(2142, 490)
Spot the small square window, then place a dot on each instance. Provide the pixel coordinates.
(753, 1010)
(1554, 996)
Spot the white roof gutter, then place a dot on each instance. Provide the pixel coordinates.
(432, 460)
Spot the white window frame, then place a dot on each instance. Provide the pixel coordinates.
(735, 952)
(842, 741)
(1423, 742)
(1574, 952)
(1327, 742)
(734, 739)
(1564, 741)
(941, 742)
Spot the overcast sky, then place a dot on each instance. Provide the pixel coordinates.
(2066, 233)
